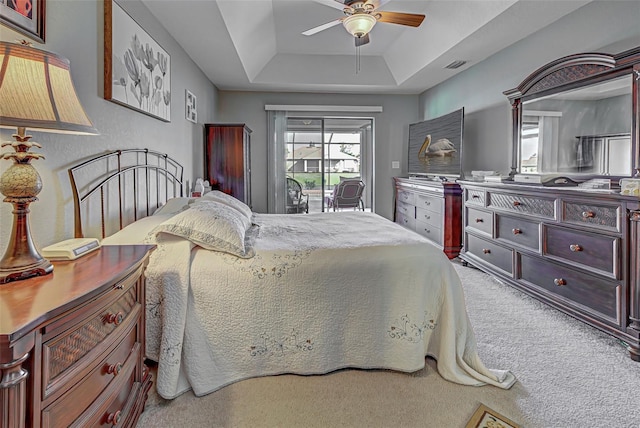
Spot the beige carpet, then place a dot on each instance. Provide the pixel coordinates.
(569, 375)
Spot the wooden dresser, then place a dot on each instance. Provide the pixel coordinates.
(72, 343)
(575, 250)
(227, 159)
(433, 209)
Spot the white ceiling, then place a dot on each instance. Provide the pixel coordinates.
(257, 44)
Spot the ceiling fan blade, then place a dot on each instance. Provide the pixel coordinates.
(410, 19)
(362, 40)
(322, 27)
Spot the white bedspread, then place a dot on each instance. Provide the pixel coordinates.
(323, 292)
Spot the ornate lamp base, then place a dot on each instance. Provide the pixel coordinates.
(44, 267)
(20, 184)
(22, 260)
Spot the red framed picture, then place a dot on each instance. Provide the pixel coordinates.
(24, 16)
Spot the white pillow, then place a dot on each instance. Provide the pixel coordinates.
(213, 226)
(136, 232)
(174, 205)
(237, 204)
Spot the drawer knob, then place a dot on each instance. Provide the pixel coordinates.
(475, 196)
(516, 204)
(114, 369)
(486, 251)
(516, 231)
(479, 220)
(427, 203)
(559, 282)
(588, 214)
(114, 418)
(575, 248)
(115, 318)
(428, 230)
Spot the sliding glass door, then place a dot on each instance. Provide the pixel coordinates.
(320, 151)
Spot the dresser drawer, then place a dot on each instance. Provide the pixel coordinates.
(524, 204)
(590, 250)
(72, 404)
(605, 217)
(589, 291)
(429, 217)
(406, 221)
(431, 203)
(429, 231)
(518, 231)
(73, 350)
(406, 197)
(405, 209)
(480, 220)
(491, 253)
(475, 197)
(115, 405)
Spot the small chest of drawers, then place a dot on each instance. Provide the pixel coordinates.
(575, 250)
(72, 343)
(432, 209)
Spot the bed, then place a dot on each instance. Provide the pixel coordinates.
(233, 294)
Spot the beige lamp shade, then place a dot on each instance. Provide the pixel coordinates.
(37, 92)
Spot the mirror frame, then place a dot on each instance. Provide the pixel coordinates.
(572, 72)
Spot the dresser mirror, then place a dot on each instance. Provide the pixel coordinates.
(579, 116)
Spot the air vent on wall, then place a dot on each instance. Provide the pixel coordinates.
(456, 64)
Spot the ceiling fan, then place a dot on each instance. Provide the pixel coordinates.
(361, 16)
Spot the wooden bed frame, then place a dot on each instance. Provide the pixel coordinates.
(126, 185)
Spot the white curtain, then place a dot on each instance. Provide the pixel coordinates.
(276, 150)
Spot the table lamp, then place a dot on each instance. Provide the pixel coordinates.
(36, 92)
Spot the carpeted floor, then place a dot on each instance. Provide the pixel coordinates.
(569, 375)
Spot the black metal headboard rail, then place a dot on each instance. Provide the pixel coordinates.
(128, 184)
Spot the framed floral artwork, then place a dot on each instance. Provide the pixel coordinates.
(137, 70)
(24, 16)
(190, 108)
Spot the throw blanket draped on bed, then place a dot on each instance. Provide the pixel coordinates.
(323, 292)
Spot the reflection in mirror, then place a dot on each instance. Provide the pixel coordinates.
(586, 131)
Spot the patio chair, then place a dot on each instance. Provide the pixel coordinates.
(297, 201)
(346, 194)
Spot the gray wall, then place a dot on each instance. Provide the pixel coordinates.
(391, 133)
(600, 26)
(74, 29)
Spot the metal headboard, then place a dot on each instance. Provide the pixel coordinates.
(124, 185)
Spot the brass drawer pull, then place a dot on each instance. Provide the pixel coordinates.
(575, 248)
(559, 282)
(114, 369)
(114, 418)
(486, 251)
(588, 214)
(479, 220)
(516, 204)
(516, 231)
(115, 318)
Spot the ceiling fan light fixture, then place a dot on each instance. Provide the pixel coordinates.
(360, 24)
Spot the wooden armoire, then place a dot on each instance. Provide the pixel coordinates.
(227, 161)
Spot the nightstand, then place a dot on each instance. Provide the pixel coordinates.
(72, 343)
